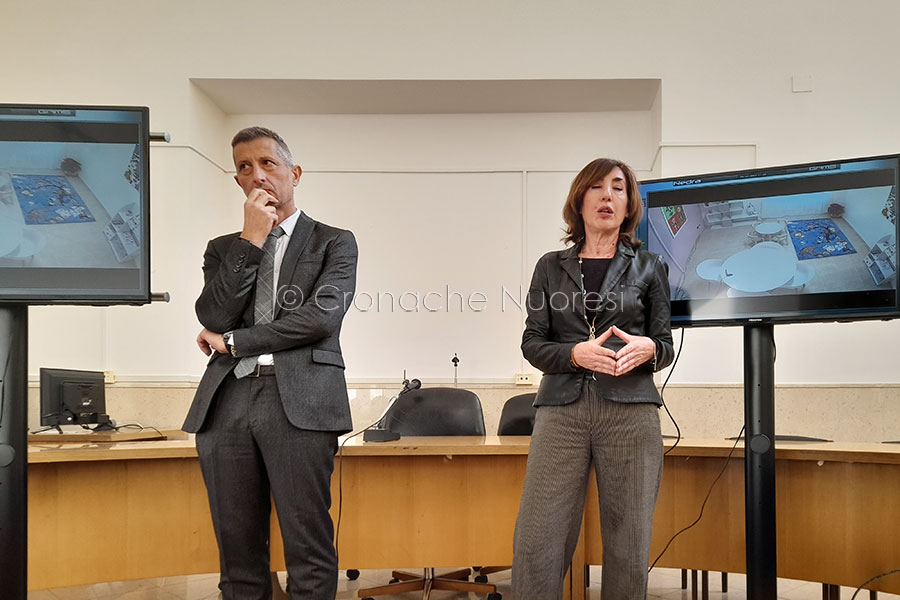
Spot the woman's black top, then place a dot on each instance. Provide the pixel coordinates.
(593, 270)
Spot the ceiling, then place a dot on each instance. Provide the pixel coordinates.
(327, 96)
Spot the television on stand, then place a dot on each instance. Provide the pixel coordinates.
(74, 229)
(73, 397)
(812, 242)
(796, 243)
(74, 204)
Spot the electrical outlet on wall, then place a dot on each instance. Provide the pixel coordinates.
(109, 377)
(524, 379)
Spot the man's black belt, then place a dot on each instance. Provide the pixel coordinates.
(262, 371)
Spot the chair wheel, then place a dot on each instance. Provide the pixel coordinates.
(495, 596)
(476, 568)
(352, 574)
(394, 580)
(481, 579)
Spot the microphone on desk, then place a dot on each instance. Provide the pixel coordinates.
(409, 385)
(377, 432)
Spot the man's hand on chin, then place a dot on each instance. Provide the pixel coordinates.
(260, 216)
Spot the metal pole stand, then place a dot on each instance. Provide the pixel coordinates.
(759, 461)
(13, 450)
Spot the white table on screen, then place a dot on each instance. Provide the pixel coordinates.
(770, 230)
(762, 268)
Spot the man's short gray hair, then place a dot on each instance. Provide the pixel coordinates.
(249, 134)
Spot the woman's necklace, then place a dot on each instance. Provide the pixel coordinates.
(592, 323)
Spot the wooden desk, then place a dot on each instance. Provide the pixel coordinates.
(139, 510)
(836, 515)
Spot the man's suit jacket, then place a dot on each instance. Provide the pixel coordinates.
(635, 298)
(315, 288)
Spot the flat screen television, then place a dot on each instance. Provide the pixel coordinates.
(74, 204)
(72, 397)
(795, 243)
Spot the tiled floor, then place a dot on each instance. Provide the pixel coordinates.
(664, 584)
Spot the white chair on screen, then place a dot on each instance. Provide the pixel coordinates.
(804, 273)
(768, 245)
(32, 243)
(710, 270)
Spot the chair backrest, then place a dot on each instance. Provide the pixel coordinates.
(517, 417)
(805, 272)
(436, 411)
(710, 269)
(772, 245)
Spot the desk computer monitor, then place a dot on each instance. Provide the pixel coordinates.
(794, 243)
(70, 397)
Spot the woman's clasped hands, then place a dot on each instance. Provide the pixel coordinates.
(594, 356)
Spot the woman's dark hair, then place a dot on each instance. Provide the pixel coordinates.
(593, 172)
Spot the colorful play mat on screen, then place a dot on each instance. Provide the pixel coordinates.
(818, 238)
(47, 199)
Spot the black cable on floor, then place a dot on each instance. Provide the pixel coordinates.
(702, 506)
(870, 580)
(663, 390)
(337, 528)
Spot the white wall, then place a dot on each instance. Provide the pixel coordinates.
(104, 174)
(726, 101)
(435, 250)
(795, 205)
(15, 155)
(862, 209)
(460, 142)
(443, 206)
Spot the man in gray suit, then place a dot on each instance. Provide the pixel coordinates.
(273, 399)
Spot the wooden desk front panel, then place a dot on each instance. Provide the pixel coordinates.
(836, 523)
(117, 520)
(716, 543)
(99, 519)
(425, 510)
(108, 515)
(839, 522)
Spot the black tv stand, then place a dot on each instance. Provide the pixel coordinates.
(13, 449)
(759, 461)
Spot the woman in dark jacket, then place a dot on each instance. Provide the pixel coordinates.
(598, 327)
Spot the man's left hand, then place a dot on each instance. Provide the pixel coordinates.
(210, 340)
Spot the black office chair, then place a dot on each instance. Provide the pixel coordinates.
(434, 411)
(517, 418)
